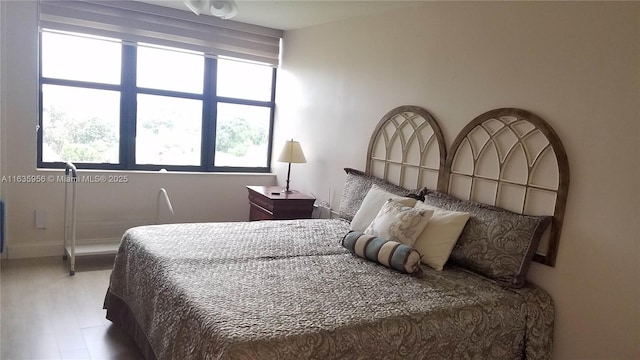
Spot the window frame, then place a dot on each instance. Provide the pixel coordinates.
(129, 91)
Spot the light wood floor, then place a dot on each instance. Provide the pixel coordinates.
(47, 314)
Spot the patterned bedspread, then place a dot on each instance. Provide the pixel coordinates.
(289, 290)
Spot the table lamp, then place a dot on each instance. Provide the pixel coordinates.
(291, 153)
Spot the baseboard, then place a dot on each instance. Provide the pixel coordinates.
(45, 250)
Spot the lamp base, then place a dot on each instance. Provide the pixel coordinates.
(286, 190)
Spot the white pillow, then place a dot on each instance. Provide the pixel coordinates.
(371, 205)
(397, 222)
(440, 235)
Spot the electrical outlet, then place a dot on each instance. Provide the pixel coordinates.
(41, 219)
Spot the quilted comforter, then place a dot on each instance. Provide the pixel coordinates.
(289, 290)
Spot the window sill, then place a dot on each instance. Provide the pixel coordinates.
(146, 172)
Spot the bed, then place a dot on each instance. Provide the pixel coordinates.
(294, 289)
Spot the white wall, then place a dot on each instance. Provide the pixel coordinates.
(575, 64)
(3, 255)
(1, 98)
(104, 210)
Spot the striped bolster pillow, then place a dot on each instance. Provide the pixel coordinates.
(389, 253)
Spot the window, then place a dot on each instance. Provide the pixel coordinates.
(242, 135)
(168, 130)
(80, 123)
(107, 104)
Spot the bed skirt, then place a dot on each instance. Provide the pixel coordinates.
(119, 314)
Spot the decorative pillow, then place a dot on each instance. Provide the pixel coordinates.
(371, 205)
(356, 186)
(495, 242)
(399, 222)
(440, 235)
(389, 253)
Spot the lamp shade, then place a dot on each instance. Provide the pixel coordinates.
(292, 153)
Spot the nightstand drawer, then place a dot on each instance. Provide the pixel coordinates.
(258, 213)
(260, 201)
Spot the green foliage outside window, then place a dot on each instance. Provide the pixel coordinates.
(95, 141)
(81, 140)
(236, 136)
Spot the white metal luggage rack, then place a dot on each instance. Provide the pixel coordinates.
(71, 248)
(70, 177)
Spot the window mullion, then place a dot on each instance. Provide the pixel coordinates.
(272, 117)
(243, 101)
(39, 130)
(79, 84)
(209, 114)
(169, 93)
(128, 110)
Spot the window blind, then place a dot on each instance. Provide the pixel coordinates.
(134, 22)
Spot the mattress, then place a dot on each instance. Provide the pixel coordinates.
(289, 290)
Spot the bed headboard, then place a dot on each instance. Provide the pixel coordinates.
(407, 148)
(512, 159)
(507, 157)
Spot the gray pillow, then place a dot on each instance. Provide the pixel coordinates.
(356, 187)
(495, 242)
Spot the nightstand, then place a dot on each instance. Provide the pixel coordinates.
(272, 203)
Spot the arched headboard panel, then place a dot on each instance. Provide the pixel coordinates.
(512, 159)
(407, 148)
